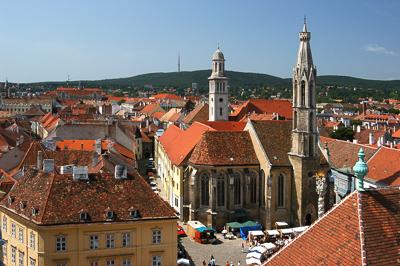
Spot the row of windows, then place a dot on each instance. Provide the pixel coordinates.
(14, 227)
(155, 261)
(21, 256)
(61, 241)
(237, 189)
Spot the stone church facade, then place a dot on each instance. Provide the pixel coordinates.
(266, 170)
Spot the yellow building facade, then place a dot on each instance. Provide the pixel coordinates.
(136, 243)
(60, 220)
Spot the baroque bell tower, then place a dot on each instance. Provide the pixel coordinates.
(304, 155)
(218, 89)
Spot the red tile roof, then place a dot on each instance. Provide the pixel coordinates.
(263, 106)
(179, 143)
(198, 114)
(78, 144)
(361, 230)
(396, 134)
(167, 96)
(384, 166)
(225, 125)
(151, 108)
(219, 148)
(343, 154)
(52, 195)
(158, 115)
(275, 137)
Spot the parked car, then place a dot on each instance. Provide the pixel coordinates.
(180, 231)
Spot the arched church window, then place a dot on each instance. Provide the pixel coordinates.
(311, 146)
(303, 93)
(294, 120)
(220, 66)
(221, 190)
(295, 93)
(262, 188)
(281, 190)
(237, 189)
(220, 111)
(311, 122)
(253, 187)
(205, 189)
(311, 94)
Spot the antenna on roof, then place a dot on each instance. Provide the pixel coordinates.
(179, 62)
(68, 80)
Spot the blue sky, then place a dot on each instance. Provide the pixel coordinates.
(47, 40)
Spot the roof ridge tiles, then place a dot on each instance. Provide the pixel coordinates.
(47, 197)
(361, 226)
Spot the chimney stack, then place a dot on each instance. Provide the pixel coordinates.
(48, 165)
(371, 138)
(95, 159)
(39, 160)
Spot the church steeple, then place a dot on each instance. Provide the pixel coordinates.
(218, 89)
(304, 139)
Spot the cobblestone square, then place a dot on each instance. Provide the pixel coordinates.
(226, 250)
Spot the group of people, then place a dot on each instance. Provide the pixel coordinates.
(212, 262)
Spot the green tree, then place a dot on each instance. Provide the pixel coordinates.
(343, 133)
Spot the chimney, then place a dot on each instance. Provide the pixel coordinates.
(120, 171)
(39, 160)
(48, 165)
(95, 159)
(371, 138)
(98, 146)
(364, 108)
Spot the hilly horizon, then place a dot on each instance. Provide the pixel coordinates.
(185, 79)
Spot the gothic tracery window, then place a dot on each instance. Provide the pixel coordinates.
(281, 190)
(237, 189)
(253, 188)
(303, 93)
(221, 190)
(205, 189)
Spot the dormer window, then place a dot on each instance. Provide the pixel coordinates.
(134, 214)
(83, 216)
(22, 205)
(34, 211)
(109, 215)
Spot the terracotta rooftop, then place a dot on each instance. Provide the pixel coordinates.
(384, 166)
(343, 154)
(151, 108)
(158, 115)
(179, 143)
(225, 125)
(264, 106)
(224, 148)
(275, 137)
(51, 195)
(363, 229)
(167, 96)
(198, 114)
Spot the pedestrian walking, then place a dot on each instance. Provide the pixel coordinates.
(242, 247)
(239, 263)
(227, 263)
(204, 263)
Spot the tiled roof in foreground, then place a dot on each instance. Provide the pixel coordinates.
(59, 199)
(363, 229)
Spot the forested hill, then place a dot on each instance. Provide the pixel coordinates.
(237, 79)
